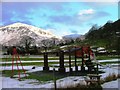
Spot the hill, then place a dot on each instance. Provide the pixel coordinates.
(106, 36)
(13, 34)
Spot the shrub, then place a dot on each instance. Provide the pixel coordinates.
(110, 77)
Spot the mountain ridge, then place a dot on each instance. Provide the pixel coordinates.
(106, 35)
(74, 36)
(13, 33)
(19, 24)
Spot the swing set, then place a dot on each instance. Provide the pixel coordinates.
(15, 57)
(84, 52)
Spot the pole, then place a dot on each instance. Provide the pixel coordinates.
(17, 66)
(76, 67)
(70, 69)
(46, 68)
(21, 65)
(15, 56)
(12, 66)
(54, 78)
(82, 67)
(97, 69)
(61, 61)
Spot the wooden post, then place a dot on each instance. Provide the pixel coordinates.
(97, 69)
(54, 78)
(89, 54)
(76, 67)
(70, 69)
(46, 68)
(61, 58)
(82, 67)
(89, 60)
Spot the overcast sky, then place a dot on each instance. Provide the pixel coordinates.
(61, 18)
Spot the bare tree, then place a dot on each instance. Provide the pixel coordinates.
(27, 41)
(47, 43)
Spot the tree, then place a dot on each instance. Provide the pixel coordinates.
(54, 40)
(47, 43)
(78, 40)
(26, 42)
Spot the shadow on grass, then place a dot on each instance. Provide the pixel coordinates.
(49, 75)
(43, 76)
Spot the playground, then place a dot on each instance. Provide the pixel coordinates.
(65, 68)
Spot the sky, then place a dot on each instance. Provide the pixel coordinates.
(61, 18)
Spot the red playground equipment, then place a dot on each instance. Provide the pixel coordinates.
(86, 50)
(87, 55)
(15, 56)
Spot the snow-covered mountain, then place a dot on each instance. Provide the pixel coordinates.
(74, 36)
(12, 34)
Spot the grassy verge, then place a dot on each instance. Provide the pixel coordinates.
(46, 76)
(40, 76)
(8, 73)
(34, 59)
(27, 59)
(106, 57)
(25, 64)
(102, 57)
(38, 64)
(104, 63)
(51, 63)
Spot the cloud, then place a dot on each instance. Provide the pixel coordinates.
(86, 12)
(61, 18)
(91, 14)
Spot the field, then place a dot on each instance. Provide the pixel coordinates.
(43, 77)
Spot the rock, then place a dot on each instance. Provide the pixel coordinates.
(33, 67)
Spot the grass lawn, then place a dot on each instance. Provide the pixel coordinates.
(46, 76)
(102, 57)
(39, 64)
(8, 73)
(52, 63)
(43, 76)
(104, 63)
(33, 59)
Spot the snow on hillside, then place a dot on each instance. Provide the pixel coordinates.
(12, 34)
(36, 30)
